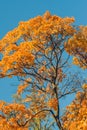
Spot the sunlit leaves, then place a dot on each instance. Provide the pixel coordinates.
(76, 115)
(11, 116)
(77, 46)
(35, 52)
(53, 103)
(18, 44)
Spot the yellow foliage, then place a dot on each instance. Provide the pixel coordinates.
(17, 45)
(77, 46)
(53, 103)
(19, 48)
(21, 88)
(7, 121)
(76, 115)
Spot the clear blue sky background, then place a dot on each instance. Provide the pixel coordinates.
(14, 11)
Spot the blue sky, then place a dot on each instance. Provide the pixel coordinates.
(14, 11)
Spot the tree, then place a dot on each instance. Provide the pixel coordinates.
(35, 52)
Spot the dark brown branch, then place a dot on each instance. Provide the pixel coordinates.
(44, 110)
